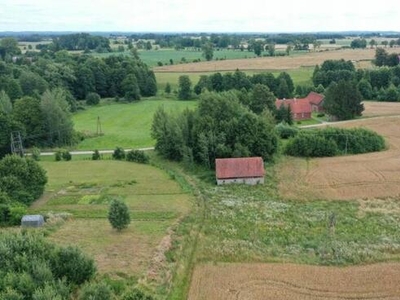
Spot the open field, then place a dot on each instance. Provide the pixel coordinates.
(123, 125)
(85, 189)
(373, 175)
(377, 108)
(274, 63)
(289, 281)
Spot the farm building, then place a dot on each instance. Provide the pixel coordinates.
(32, 221)
(316, 101)
(248, 170)
(302, 108)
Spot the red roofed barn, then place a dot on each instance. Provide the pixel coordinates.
(316, 100)
(248, 170)
(302, 108)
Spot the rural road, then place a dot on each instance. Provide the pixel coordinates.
(83, 152)
(347, 121)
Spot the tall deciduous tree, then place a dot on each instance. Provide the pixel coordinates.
(57, 117)
(208, 51)
(5, 103)
(130, 88)
(343, 100)
(185, 88)
(28, 112)
(261, 98)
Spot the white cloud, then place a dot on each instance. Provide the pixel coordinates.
(205, 15)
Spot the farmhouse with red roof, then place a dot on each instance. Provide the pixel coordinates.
(302, 108)
(248, 170)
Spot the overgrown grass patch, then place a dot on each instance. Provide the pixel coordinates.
(251, 224)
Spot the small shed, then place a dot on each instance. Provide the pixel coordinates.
(32, 221)
(247, 170)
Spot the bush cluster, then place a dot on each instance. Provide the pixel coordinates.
(286, 131)
(137, 156)
(62, 154)
(33, 268)
(334, 141)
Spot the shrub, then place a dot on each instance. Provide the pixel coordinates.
(96, 155)
(118, 215)
(97, 291)
(62, 154)
(92, 99)
(73, 265)
(58, 155)
(22, 179)
(119, 153)
(66, 155)
(285, 131)
(136, 294)
(137, 156)
(4, 214)
(36, 153)
(16, 214)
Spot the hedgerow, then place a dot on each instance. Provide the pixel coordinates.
(334, 141)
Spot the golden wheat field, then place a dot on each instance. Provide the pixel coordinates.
(295, 282)
(275, 63)
(366, 176)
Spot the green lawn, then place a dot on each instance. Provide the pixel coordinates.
(123, 125)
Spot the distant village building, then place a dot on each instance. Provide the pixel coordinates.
(32, 221)
(247, 170)
(303, 107)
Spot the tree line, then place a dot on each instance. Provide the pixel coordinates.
(282, 86)
(382, 83)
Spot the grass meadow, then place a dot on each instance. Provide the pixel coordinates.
(126, 125)
(253, 224)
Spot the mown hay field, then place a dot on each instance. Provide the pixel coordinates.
(290, 281)
(124, 125)
(309, 59)
(85, 188)
(373, 175)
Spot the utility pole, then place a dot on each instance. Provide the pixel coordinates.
(99, 132)
(16, 143)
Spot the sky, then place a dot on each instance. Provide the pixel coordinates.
(199, 16)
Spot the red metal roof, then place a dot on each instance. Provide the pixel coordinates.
(315, 98)
(297, 106)
(239, 167)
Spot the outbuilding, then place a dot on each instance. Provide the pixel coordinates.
(247, 170)
(32, 221)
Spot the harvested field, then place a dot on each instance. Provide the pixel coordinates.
(366, 176)
(289, 281)
(273, 63)
(375, 108)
